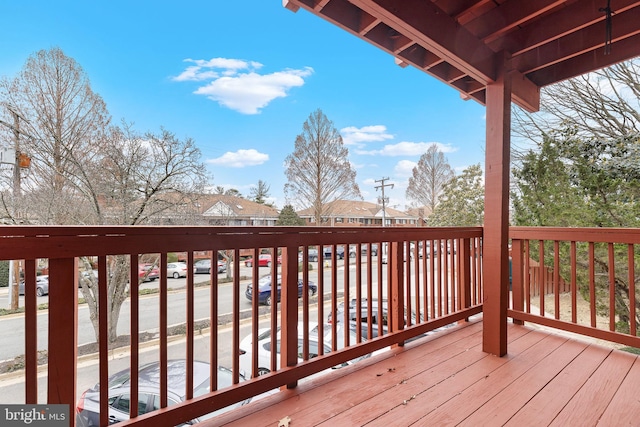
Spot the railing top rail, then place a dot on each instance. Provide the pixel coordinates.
(70, 241)
(578, 234)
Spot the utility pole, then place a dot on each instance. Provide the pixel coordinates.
(14, 266)
(384, 199)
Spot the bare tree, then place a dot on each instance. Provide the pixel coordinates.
(318, 171)
(84, 172)
(65, 121)
(142, 179)
(603, 104)
(429, 178)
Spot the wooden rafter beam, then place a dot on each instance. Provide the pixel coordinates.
(590, 61)
(567, 20)
(578, 43)
(419, 34)
(425, 23)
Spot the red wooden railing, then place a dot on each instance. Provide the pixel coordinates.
(600, 267)
(433, 277)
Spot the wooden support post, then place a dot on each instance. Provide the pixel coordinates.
(496, 212)
(289, 309)
(63, 328)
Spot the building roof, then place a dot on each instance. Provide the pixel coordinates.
(220, 205)
(356, 209)
(420, 212)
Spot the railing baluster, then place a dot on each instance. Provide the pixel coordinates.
(347, 296)
(213, 315)
(369, 295)
(289, 310)
(31, 332)
(103, 353)
(190, 321)
(631, 279)
(334, 298)
(135, 336)
(255, 318)
(432, 280)
(527, 276)
(320, 262)
(235, 314)
(592, 284)
(464, 275)
(517, 275)
(164, 402)
(612, 288)
(406, 318)
(574, 285)
(358, 308)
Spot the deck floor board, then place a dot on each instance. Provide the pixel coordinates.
(446, 379)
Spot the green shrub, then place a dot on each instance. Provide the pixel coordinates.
(4, 274)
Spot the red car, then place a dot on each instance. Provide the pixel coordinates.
(264, 260)
(148, 272)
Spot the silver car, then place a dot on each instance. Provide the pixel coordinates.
(42, 286)
(88, 406)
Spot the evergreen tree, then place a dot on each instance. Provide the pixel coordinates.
(288, 216)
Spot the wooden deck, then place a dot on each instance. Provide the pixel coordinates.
(446, 379)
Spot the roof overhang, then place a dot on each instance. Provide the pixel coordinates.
(463, 42)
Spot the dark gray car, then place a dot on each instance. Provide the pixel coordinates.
(88, 406)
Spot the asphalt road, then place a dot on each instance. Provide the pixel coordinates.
(12, 332)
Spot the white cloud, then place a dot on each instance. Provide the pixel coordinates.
(240, 159)
(358, 136)
(404, 168)
(407, 149)
(236, 84)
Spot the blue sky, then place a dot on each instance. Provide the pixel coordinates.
(241, 78)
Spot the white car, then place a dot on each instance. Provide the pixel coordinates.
(264, 347)
(177, 269)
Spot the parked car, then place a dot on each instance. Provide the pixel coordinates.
(42, 286)
(204, 266)
(326, 253)
(359, 318)
(264, 260)
(264, 289)
(364, 248)
(148, 272)
(313, 255)
(177, 269)
(264, 346)
(328, 250)
(88, 406)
